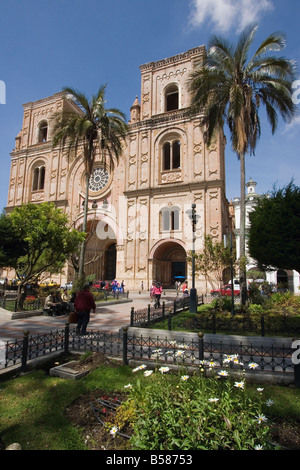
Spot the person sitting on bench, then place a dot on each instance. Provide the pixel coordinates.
(51, 305)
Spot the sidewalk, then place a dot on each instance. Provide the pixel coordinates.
(107, 318)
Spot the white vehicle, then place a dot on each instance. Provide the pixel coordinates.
(68, 285)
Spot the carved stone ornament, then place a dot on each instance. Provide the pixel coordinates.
(171, 177)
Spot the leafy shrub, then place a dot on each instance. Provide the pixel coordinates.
(222, 303)
(285, 299)
(182, 412)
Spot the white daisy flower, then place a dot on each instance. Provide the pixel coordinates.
(164, 369)
(184, 377)
(239, 384)
(148, 372)
(113, 431)
(261, 418)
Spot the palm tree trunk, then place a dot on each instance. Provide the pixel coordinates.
(84, 227)
(243, 281)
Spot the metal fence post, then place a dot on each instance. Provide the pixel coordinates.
(148, 315)
(214, 324)
(163, 310)
(201, 346)
(297, 375)
(262, 325)
(67, 338)
(132, 316)
(25, 350)
(125, 339)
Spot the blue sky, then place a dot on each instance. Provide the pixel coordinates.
(46, 45)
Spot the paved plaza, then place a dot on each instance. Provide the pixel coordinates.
(108, 318)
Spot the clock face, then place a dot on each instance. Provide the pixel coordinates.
(98, 179)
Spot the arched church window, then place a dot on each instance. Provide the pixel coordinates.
(171, 155)
(171, 98)
(38, 182)
(43, 132)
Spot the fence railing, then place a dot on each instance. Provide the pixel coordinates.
(192, 349)
(10, 302)
(151, 314)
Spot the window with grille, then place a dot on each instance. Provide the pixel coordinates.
(38, 182)
(171, 155)
(169, 218)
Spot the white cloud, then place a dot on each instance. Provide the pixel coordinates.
(292, 128)
(226, 14)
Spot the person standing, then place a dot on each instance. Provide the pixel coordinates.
(157, 294)
(84, 303)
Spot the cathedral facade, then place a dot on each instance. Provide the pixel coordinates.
(139, 228)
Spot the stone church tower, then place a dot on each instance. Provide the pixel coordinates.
(139, 230)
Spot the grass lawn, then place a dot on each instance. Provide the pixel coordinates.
(32, 406)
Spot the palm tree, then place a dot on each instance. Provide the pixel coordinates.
(84, 130)
(230, 87)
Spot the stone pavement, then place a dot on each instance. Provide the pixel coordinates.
(109, 318)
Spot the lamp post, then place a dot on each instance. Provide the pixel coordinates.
(231, 269)
(193, 291)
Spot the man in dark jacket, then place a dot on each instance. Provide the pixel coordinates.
(84, 303)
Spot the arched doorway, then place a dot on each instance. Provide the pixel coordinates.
(110, 262)
(169, 263)
(100, 253)
(282, 280)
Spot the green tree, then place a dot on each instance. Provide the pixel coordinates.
(274, 233)
(48, 242)
(11, 248)
(230, 88)
(93, 126)
(213, 261)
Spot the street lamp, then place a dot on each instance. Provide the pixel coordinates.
(231, 269)
(193, 291)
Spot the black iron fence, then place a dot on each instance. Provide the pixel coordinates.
(30, 304)
(187, 349)
(167, 309)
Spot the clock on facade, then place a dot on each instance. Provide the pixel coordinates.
(98, 179)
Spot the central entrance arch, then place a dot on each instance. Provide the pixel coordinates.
(100, 253)
(169, 263)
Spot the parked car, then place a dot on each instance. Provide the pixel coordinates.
(97, 284)
(68, 285)
(49, 284)
(226, 290)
